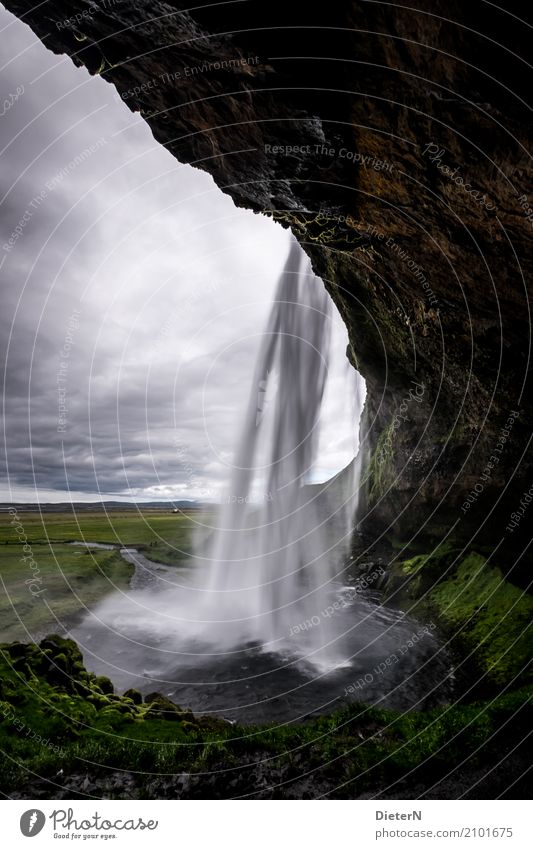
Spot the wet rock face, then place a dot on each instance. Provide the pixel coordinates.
(393, 142)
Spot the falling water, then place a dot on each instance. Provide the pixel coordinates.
(277, 550)
(260, 623)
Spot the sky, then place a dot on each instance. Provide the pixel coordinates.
(134, 294)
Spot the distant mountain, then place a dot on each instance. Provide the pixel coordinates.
(104, 506)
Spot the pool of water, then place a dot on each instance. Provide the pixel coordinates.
(143, 639)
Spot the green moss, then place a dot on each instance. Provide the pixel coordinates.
(380, 473)
(323, 228)
(414, 564)
(487, 619)
(104, 684)
(494, 616)
(134, 695)
(432, 566)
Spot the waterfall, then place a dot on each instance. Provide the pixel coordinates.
(280, 541)
(267, 620)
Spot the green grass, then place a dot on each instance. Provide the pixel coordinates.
(71, 578)
(128, 528)
(45, 691)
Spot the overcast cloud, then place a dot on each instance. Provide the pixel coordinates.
(134, 295)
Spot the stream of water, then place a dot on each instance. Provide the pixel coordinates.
(393, 660)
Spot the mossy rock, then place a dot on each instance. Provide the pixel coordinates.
(408, 582)
(104, 684)
(57, 659)
(111, 718)
(97, 699)
(488, 619)
(16, 650)
(134, 695)
(62, 645)
(495, 618)
(163, 708)
(125, 706)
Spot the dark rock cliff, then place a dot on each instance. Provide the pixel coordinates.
(394, 142)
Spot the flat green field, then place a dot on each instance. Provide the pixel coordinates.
(46, 584)
(128, 528)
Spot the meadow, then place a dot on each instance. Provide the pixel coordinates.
(47, 583)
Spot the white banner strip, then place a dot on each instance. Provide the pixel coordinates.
(267, 824)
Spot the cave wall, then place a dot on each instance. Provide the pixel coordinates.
(394, 143)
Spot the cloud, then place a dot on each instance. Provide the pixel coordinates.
(134, 297)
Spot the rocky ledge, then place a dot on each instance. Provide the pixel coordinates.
(393, 141)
